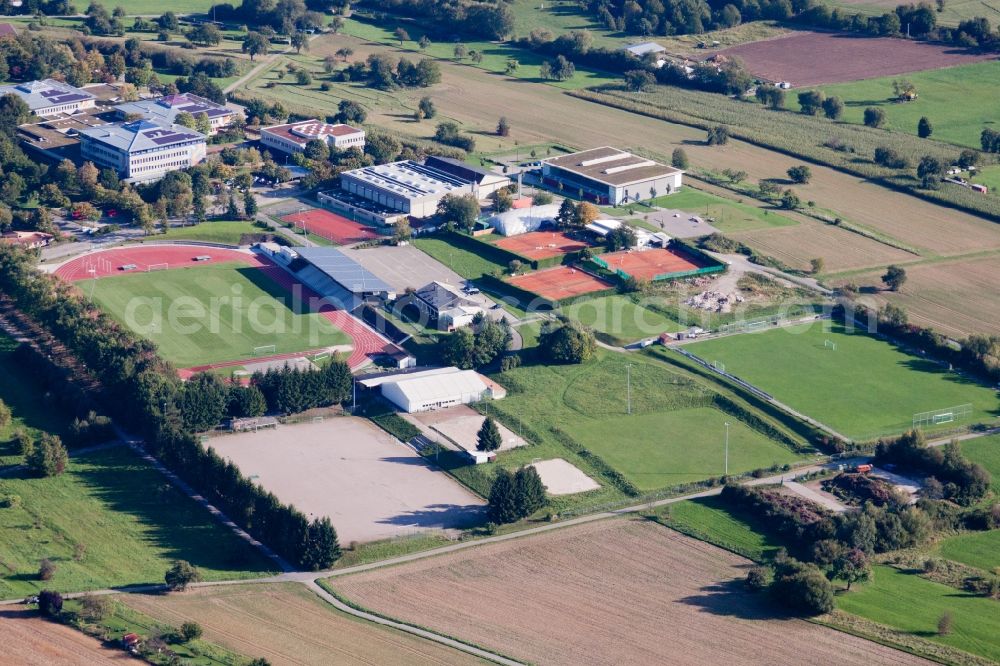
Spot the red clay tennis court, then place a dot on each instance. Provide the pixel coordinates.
(541, 244)
(560, 282)
(331, 226)
(647, 264)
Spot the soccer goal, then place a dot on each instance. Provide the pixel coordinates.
(322, 356)
(942, 416)
(830, 344)
(719, 366)
(157, 267)
(264, 350)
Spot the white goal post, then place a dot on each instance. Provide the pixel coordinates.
(942, 416)
(157, 267)
(264, 349)
(830, 344)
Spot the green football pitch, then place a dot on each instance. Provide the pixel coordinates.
(209, 314)
(853, 382)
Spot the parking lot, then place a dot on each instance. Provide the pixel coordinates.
(369, 484)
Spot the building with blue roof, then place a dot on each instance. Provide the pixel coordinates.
(143, 150)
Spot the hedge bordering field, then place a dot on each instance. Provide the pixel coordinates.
(800, 136)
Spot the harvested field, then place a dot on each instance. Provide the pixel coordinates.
(541, 113)
(541, 244)
(615, 591)
(288, 624)
(558, 283)
(648, 264)
(813, 58)
(955, 298)
(331, 226)
(28, 639)
(369, 484)
(840, 250)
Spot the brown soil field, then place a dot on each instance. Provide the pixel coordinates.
(815, 58)
(288, 624)
(840, 250)
(615, 591)
(541, 113)
(25, 639)
(954, 297)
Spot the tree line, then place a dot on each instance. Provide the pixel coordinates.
(143, 393)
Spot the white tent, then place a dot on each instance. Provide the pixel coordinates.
(522, 220)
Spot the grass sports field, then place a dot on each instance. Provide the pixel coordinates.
(863, 388)
(465, 263)
(914, 605)
(209, 324)
(129, 522)
(666, 449)
(938, 91)
(673, 435)
(619, 319)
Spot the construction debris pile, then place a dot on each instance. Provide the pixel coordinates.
(715, 301)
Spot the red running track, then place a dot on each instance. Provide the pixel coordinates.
(366, 341)
(109, 262)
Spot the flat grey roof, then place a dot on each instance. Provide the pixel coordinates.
(409, 179)
(611, 166)
(345, 271)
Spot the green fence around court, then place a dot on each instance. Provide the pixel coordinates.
(715, 266)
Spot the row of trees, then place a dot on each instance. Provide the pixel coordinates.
(144, 394)
(960, 480)
(449, 17)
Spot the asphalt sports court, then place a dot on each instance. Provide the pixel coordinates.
(647, 264)
(331, 226)
(370, 485)
(559, 283)
(541, 244)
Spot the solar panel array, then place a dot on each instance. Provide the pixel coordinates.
(345, 271)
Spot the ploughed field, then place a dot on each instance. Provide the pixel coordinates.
(615, 591)
(812, 58)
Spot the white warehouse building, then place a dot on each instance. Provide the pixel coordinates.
(609, 176)
(438, 388)
(143, 150)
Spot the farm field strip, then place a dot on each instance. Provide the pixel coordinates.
(286, 623)
(28, 638)
(960, 123)
(839, 249)
(955, 298)
(602, 593)
(914, 605)
(811, 58)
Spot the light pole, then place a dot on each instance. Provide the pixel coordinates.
(727, 448)
(628, 388)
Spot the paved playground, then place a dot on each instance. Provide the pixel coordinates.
(560, 282)
(541, 244)
(331, 226)
(368, 483)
